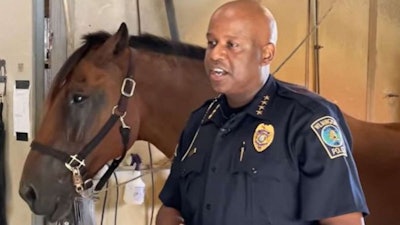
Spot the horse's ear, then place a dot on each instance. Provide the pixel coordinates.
(115, 44)
(123, 38)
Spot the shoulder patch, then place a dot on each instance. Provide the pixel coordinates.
(329, 133)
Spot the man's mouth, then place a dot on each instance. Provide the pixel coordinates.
(218, 72)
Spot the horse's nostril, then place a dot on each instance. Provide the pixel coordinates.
(28, 193)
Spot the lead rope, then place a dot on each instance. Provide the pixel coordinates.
(152, 184)
(116, 200)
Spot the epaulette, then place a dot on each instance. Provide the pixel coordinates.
(306, 98)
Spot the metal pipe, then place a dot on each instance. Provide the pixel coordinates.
(307, 54)
(314, 28)
(70, 37)
(173, 29)
(38, 76)
(317, 47)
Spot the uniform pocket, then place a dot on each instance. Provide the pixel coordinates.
(260, 176)
(191, 182)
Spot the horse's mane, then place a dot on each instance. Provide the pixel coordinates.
(161, 45)
(145, 41)
(152, 43)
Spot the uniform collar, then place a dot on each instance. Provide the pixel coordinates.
(261, 102)
(258, 107)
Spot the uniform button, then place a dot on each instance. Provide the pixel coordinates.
(254, 170)
(213, 169)
(208, 206)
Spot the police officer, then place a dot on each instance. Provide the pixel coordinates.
(264, 151)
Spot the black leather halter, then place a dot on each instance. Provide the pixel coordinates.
(75, 163)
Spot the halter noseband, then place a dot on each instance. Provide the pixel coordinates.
(76, 163)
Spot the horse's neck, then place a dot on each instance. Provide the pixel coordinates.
(169, 91)
(376, 140)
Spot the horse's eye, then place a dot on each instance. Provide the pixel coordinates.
(76, 98)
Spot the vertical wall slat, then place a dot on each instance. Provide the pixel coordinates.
(59, 49)
(371, 58)
(38, 77)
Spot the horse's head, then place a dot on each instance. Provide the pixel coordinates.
(84, 122)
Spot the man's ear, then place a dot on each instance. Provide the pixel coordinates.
(268, 53)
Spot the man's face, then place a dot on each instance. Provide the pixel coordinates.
(233, 57)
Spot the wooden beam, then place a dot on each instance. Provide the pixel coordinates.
(372, 51)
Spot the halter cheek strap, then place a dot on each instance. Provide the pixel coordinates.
(115, 163)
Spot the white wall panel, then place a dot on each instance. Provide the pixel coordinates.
(16, 26)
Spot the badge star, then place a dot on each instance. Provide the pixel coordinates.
(261, 107)
(263, 102)
(266, 97)
(259, 112)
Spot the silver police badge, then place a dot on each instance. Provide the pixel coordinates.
(330, 135)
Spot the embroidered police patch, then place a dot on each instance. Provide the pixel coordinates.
(330, 135)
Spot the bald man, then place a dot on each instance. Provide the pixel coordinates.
(261, 152)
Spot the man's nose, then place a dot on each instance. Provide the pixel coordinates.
(217, 53)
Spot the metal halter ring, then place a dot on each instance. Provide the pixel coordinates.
(117, 112)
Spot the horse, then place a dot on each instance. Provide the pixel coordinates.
(117, 89)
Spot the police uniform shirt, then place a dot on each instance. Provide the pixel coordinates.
(285, 159)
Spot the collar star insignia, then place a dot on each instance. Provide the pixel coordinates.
(261, 106)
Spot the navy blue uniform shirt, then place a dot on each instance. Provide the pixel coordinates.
(283, 159)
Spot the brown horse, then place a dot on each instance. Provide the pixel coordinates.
(96, 85)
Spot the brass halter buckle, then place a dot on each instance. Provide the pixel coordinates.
(77, 179)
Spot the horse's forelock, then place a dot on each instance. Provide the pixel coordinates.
(65, 70)
(91, 40)
(97, 38)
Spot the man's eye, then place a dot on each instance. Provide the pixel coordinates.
(232, 45)
(211, 43)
